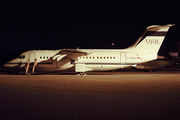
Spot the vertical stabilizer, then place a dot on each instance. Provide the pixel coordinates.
(152, 39)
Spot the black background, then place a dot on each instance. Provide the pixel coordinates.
(84, 24)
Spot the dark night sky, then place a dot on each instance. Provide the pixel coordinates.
(87, 24)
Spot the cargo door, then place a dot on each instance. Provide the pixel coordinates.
(122, 58)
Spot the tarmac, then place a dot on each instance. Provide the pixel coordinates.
(101, 96)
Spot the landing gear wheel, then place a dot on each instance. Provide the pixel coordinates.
(81, 73)
(150, 70)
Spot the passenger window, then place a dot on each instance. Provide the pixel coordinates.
(47, 57)
(113, 57)
(100, 57)
(110, 57)
(44, 57)
(97, 57)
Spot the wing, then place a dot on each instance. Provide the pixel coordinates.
(70, 53)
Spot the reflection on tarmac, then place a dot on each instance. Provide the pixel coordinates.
(119, 95)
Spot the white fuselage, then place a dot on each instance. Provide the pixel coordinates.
(103, 60)
(96, 60)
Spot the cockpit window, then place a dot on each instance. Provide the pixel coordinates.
(21, 56)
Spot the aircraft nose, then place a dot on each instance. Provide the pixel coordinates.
(11, 63)
(7, 65)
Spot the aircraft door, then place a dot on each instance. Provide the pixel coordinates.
(31, 57)
(123, 58)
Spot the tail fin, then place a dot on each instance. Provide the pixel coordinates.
(151, 40)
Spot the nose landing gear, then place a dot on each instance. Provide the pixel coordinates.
(34, 65)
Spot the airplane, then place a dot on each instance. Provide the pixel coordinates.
(83, 60)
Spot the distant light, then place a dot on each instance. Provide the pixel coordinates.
(112, 44)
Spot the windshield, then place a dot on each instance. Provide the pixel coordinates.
(21, 57)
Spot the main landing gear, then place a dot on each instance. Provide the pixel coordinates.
(81, 73)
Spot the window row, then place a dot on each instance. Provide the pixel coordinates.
(44, 57)
(86, 57)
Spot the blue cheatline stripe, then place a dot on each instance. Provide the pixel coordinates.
(106, 63)
(152, 33)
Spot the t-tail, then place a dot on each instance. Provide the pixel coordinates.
(151, 40)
